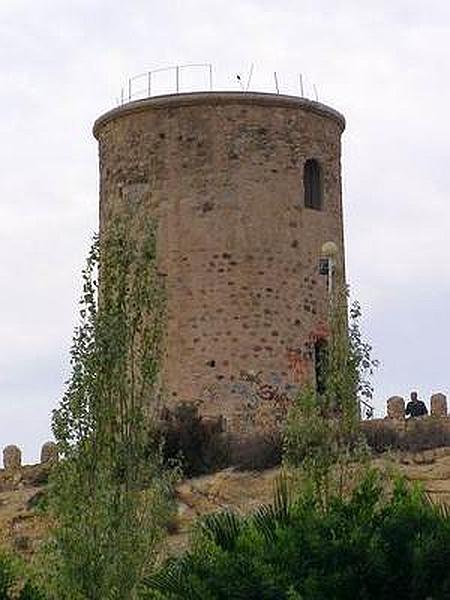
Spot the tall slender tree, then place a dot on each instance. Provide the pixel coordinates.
(109, 492)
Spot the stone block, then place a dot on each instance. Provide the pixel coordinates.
(49, 452)
(396, 407)
(12, 458)
(438, 404)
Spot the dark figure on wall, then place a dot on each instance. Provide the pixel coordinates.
(415, 407)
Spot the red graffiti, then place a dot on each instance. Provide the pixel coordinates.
(320, 332)
(299, 365)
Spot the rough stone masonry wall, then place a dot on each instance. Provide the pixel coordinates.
(222, 174)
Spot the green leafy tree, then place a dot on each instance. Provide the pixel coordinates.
(109, 494)
(322, 434)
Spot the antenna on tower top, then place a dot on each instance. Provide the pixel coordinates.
(276, 82)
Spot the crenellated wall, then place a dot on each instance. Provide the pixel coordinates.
(396, 406)
(12, 456)
(397, 432)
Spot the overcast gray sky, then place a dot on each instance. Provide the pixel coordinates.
(384, 64)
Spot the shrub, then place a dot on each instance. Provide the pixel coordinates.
(367, 546)
(419, 434)
(256, 451)
(200, 444)
(6, 576)
(381, 437)
(14, 582)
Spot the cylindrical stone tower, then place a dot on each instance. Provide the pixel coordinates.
(246, 189)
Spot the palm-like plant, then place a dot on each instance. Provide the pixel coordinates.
(222, 528)
(221, 531)
(269, 516)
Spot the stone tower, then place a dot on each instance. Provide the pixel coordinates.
(246, 190)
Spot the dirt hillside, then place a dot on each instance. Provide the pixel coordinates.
(23, 522)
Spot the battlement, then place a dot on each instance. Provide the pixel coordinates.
(12, 456)
(396, 406)
(397, 432)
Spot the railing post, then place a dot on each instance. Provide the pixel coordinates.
(127, 91)
(302, 92)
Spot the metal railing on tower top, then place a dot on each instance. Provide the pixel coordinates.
(200, 77)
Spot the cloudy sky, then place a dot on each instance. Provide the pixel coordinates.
(384, 64)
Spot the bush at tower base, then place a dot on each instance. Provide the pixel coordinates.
(368, 546)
